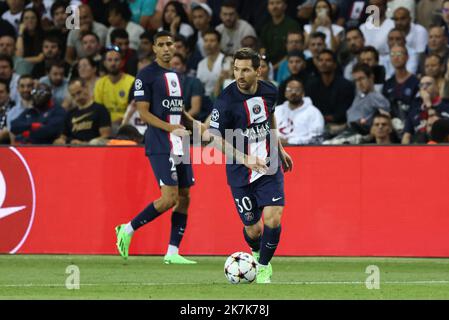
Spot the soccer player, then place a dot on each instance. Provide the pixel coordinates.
(158, 94)
(246, 107)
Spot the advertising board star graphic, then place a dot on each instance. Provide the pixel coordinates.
(4, 212)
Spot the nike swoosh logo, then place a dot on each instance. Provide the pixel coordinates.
(75, 120)
(276, 199)
(255, 120)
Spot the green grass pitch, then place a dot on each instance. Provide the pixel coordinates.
(146, 277)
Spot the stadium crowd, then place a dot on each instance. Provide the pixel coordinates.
(348, 71)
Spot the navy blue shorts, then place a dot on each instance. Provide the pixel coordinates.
(168, 173)
(252, 198)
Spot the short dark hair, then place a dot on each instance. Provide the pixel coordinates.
(25, 76)
(119, 34)
(248, 54)
(72, 81)
(53, 37)
(318, 34)
(440, 130)
(129, 132)
(147, 35)
(213, 31)
(329, 52)
(372, 50)
(180, 57)
(354, 28)
(363, 67)
(55, 63)
(180, 38)
(90, 33)
(295, 32)
(229, 4)
(161, 34)
(5, 83)
(121, 8)
(4, 57)
(434, 55)
(294, 78)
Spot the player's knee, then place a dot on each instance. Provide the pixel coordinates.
(184, 201)
(254, 231)
(169, 201)
(272, 218)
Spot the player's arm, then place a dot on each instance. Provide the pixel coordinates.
(177, 129)
(287, 162)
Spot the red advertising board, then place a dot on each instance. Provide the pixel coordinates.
(340, 201)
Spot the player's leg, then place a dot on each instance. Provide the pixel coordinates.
(179, 215)
(178, 227)
(252, 235)
(165, 172)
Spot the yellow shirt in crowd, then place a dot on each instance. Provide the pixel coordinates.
(114, 96)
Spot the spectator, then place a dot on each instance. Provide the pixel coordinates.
(175, 20)
(87, 24)
(6, 29)
(13, 15)
(112, 90)
(297, 69)
(376, 31)
(393, 5)
(367, 101)
(266, 70)
(416, 123)
(42, 123)
(401, 88)
(438, 44)
(201, 20)
(370, 56)
(52, 51)
(315, 46)
(100, 10)
(146, 46)
(295, 42)
(250, 42)
(6, 104)
(212, 69)
(22, 103)
(274, 33)
(232, 29)
(8, 48)
(87, 121)
(127, 135)
(29, 40)
(330, 92)
(440, 131)
(355, 43)
(321, 21)
(91, 46)
(56, 81)
(298, 120)
(7, 74)
(396, 37)
(445, 17)
(432, 117)
(59, 18)
(416, 35)
(42, 8)
(382, 129)
(427, 12)
(195, 103)
(193, 58)
(143, 13)
(119, 38)
(434, 67)
(119, 17)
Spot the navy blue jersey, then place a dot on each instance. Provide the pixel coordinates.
(251, 114)
(162, 89)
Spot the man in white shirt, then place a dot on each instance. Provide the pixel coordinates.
(416, 35)
(298, 120)
(14, 13)
(232, 29)
(210, 68)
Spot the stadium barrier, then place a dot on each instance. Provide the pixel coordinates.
(340, 201)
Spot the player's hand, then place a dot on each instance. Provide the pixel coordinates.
(256, 164)
(287, 162)
(179, 130)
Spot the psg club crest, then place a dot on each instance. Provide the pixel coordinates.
(121, 93)
(173, 83)
(249, 216)
(174, 176)
(257, 109)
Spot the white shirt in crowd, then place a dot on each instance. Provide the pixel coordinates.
(210, 77)
(303, 125)
(411, 66)
(336, 29)
(185, 30)
(377, 36)
(134, 32)
(417, 38)
(231, 38)
(13, 19)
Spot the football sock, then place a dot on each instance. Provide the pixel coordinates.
(129, 229)
(148, 214)
(253, 243)
(270, 240)
(178, 225)
(172, 250)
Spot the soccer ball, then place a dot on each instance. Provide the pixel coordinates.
(240, 267)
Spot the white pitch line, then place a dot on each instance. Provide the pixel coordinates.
(422, 282)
